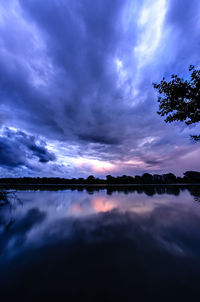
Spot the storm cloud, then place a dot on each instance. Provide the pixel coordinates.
(16, 148)
(78, 75)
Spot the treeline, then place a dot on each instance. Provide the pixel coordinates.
(169, 178)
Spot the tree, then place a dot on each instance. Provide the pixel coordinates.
(110, 179)
(179, 99)
(169, 178)
(192, 177)
(147, 178)
(90, 179)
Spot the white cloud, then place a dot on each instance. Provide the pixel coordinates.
(150, 23)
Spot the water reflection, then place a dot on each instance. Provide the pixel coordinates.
(97, 247)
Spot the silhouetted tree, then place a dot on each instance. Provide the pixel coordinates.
(90, 179)
(158, 179)
(110, 179)
(137, 179)
(147, 178)
(80, 180)
(192, 177)
(169, 178)
(179, 99)
(124, 179)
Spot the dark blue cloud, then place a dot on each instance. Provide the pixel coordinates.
(183, 22)
(17, 147)
(80, 73)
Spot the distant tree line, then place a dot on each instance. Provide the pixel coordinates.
(169, 178)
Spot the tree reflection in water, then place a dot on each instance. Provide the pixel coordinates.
(10, 200)
(140, 246)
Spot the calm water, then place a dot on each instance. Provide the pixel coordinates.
(101, 246)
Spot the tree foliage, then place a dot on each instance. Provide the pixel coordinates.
(53, 183)
(179, 99)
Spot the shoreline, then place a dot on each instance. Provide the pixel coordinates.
(21, 186)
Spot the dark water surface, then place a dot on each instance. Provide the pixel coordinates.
(101, 246)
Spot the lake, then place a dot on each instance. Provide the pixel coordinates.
(133, 244)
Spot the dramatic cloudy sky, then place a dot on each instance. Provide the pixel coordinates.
(76, 94)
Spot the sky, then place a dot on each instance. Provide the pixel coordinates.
(76, 93)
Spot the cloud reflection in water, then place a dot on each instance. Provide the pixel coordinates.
(74, 245)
